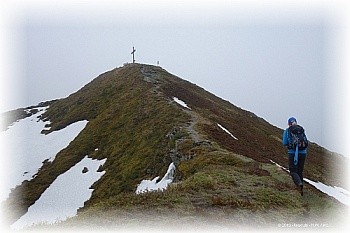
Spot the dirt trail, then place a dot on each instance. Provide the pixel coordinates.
(150, 75)
(191, 128)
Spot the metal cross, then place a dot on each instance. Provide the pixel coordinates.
(133, 54)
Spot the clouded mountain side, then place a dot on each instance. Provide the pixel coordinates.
(223, 154)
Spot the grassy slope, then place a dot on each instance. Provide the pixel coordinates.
(128, 124)
(258, 139)
(130, 114)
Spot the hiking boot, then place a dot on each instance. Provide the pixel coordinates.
(300, 189)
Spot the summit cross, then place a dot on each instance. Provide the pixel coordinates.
(133, 54)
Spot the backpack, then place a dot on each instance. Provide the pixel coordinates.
(297, 138)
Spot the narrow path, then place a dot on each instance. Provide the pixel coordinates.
(191, 130)
(150, 76)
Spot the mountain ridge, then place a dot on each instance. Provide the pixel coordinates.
(137, 126)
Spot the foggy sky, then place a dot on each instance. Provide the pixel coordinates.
(276, 62)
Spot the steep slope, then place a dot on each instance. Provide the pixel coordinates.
(136, 124)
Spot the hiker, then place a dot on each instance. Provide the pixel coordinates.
(295, 139)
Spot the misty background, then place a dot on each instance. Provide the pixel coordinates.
(277, 62)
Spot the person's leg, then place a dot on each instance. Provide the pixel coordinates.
(293, 171)
(301, 162)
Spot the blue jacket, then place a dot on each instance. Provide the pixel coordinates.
(285, 142)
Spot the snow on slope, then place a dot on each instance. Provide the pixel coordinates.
(224, 129)
(342, 195)
(65, 195)
(24, 148)
(153, 185)
(182, 103)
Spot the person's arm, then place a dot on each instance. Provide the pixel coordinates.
(285, 137)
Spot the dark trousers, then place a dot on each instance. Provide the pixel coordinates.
(296, 171)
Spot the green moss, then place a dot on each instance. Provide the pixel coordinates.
(199, 181)
(272, 198)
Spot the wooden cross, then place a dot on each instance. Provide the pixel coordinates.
(133, 54)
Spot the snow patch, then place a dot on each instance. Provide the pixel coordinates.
(182, 103)
(25, 148)
(153, 185)
(224, 129)
(64, 196)
(342, 195)
(283, 168)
